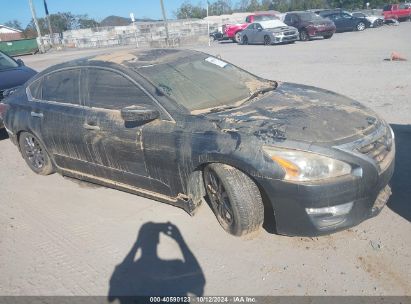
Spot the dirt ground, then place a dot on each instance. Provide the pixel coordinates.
(59, 237)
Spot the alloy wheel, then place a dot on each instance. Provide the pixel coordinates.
(360, 26)
(219, 199)
(34, 152)
(267, 40)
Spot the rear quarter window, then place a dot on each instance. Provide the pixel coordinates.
(62, 86)
(35, 89)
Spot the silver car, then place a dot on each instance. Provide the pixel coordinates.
(268, 32)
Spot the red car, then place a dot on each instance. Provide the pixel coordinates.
(400, 12)
(232, 31)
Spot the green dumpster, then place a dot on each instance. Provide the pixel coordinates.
(19, 47)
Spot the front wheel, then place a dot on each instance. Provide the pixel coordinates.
(304, 36)
(35, 154)
(245, 40)
(360, 26)
(235, 199)
(267, 40)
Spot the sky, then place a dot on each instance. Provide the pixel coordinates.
(97, 9)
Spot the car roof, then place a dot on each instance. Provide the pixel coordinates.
(133, 58)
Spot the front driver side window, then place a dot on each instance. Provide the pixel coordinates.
(113, 91)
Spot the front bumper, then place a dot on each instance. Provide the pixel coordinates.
(321, 32)
(290, 201)
(284, 38)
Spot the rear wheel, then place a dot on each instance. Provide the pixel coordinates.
(360, 26)
(327, 36)
(35, 154)
(244, 40)
(267, 40)
(304, 36)
(235, 199)
(237, 37)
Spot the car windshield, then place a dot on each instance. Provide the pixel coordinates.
(271, 24)
(264, 18)
(202, 83)
(308, 16)
(6, 62)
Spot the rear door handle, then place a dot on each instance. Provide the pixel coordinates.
(36, 114)
(91, 127)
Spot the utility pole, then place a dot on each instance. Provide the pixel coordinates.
(33, 13)
(165, 21)
(46, 10)
(208, 27)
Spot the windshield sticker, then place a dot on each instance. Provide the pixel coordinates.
(216, 61)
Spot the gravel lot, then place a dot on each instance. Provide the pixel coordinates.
(59, 237)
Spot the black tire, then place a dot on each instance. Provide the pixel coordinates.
(35, 154)
(235, 199)
(304, 36)
(267, 40)
(360, 26)
(244, 40)
(327, 36)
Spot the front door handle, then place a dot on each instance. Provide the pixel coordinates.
(91, 127)
(36, 114)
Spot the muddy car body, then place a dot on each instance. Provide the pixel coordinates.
(179, 125)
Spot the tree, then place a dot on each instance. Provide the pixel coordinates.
(83, 22)
(14, 24)
(187, 10)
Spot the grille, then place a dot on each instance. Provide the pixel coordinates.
(289, 33)
(379, 148)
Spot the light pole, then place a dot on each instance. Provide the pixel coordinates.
(46, 10)
(165, 21)
(36, 23)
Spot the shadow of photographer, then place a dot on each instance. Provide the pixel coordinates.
(150, 275)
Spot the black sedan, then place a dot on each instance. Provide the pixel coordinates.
(179, 125)
(344, 21)
(13, 73)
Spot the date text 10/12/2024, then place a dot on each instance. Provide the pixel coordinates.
(205, 299)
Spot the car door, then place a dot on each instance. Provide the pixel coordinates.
(338, 21)
(57, 116)
(349, 21)
(116, 148)
(251, 33)
(259, 33)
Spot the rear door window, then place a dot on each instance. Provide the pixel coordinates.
(62, 86)
(111, 90)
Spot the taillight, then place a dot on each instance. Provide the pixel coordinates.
(3, 109)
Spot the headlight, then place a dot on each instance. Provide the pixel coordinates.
(306, 166)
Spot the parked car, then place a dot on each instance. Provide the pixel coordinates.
(232, 31)
(310, 25)
(178, 125)
(344, 21)
(13, 73)
(269, 32)
(374, 20)
(400, 12)
(217, 36)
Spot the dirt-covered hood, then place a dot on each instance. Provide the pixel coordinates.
(301, 113)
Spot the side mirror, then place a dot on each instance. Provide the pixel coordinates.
(20, 62)
(139, 114)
